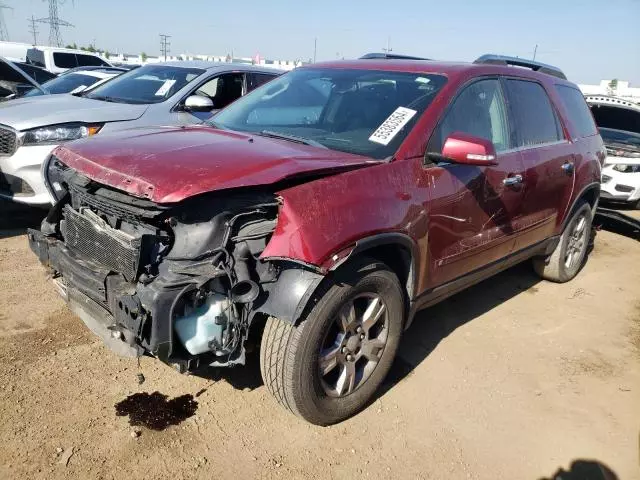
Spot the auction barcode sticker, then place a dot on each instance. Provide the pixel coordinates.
(392, 125)
(166, 86)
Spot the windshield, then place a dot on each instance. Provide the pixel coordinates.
(620, 137)
(364, 112)
(72, 82)
(144, 85)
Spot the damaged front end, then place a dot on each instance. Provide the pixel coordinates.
(181, 282)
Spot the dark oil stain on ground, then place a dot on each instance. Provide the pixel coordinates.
(154, 411)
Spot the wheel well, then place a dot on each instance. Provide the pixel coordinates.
(398, 259)
(591, 196)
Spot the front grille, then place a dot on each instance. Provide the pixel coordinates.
(624, 188)
(8, 142)
(89, 235)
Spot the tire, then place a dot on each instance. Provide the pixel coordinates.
(290, 354)
(559, 267)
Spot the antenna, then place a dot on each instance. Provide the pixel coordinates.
(4, 33)
(388, 49)
(55, 22)
(164, 45)
(33, 29)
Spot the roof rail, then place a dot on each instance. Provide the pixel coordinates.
(390, 56)
(491, 59)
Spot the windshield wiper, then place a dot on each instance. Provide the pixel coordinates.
(291, 138)
(105, 99)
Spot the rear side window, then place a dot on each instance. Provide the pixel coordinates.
(254, 80)
(64, 60)
(578, 110)
(90, 61)
(533, 115)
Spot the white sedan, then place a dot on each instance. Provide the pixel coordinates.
(75, 81)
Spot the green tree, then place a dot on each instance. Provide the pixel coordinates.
(613, 86)
(91, 49)
(107, 54)
(143, 57)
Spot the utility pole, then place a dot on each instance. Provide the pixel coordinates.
(33, 29)
(55, 22)
(388, 49)
(315, 48)
(535, 50)
(164, 45)
(4, 33)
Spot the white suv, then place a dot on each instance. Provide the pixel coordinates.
(619, 123)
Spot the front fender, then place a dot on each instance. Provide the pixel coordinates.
(321, 220)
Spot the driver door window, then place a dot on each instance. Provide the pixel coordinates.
(480, 111)
(223, 89)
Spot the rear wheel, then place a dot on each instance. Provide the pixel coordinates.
(570, 255)
(329, 366)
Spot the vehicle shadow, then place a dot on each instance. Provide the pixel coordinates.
(15, 218)
(429, 328)
(582, 469)
(617, 225)
(434, 324)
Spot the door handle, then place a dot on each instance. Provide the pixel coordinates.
(567, 168)
(513, 180)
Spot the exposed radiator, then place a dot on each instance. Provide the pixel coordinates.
(86, 233)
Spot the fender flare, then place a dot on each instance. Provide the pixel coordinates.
(591, 186)
(289, 296)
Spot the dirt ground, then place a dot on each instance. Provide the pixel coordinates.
(512, 379)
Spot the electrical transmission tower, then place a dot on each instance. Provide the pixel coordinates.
(33, 29)
(164, 45)
(55, 22)
(4, 33)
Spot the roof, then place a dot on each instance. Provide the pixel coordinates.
(65, 50)
(449, 69)
(217, 66)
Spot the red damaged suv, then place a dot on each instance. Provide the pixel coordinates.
(321, 212)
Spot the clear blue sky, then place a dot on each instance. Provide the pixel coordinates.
(591, 40)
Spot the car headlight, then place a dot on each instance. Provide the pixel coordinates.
(58, 134)
(620, 167)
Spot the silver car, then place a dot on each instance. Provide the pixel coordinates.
(172, 93)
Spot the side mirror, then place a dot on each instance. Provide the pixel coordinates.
(469, 150)
(198, 103)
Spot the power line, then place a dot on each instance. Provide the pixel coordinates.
(4, 33)
(55, 22)
(33, 29)
(164, 45)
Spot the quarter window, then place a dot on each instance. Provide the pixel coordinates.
(479, 110)
(533, 115)
(578, 110)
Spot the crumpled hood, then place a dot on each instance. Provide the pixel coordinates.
(168, 165)
(32, 112)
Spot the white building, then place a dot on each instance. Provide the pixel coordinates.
(620, 89)
(137, 60)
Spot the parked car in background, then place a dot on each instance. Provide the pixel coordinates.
(75, 80)
(174, 93)
(58, 60)
(320, 213)
(619, 124)
(17, 78)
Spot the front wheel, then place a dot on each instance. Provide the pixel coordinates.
(328, 367)
(570, 255)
